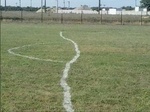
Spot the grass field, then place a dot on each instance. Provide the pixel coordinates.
(111, 75)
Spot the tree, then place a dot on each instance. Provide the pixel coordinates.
(145, 3)
(128, 8)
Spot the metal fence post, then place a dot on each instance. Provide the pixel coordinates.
(61, 18)
(5, 6)
(0, 39)
(81, 17)
(101, 17)
(141, 17)
(1, 15)
(121, 19)
(41, 11)
(42, 16)
(21, 11)
(21, 15)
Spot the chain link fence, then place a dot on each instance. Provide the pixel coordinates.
(102, 18)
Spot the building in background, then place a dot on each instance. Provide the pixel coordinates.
(105, 10)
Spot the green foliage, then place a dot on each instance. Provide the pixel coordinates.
(13, 8)
(128, 8)
(94, 8)
(145, 3)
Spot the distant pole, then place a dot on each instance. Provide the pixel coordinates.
(0, 36)
(57, 6)
(101, 17)
(45, 6)
(141, 17)
(135, 3)
(64, 3)
(42, 11)
(20, 3)
(41, 4)
(21, 10)
(31, 3)
(5, 5)
(121, 19)
(0, 30)
(68, 4)
(99, 6)
(0, 49)
(62, 18)
(81, 17)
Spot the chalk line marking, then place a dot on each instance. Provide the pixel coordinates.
(30, 57)
(67, 97)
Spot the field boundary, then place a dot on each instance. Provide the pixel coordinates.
(33, 17)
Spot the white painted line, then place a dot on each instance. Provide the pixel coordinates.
(30, 57)
(67, 97)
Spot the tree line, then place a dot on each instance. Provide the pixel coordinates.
(14, 8)
(145, 3)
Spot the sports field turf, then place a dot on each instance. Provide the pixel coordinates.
(111, 75)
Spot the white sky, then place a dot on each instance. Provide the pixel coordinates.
(74, 3)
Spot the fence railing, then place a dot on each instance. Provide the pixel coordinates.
(82, 18)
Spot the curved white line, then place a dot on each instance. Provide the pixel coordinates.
(29, 57)
(67, 97)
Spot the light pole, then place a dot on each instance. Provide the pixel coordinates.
(31, 3)
(45, 6)
(5, 5)
(21, 10)
(68, 4)
(0, 39)
(99, 6)
(57, 6)
(64, 3)
(20, 3)
(42, 11)
(135, 3)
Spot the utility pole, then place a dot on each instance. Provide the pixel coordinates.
(42, 11)
(57, 6)
(21, 10)
(41, 5)
(64, 3)
(31, 3)
(68, 4)
(135, 3)
(20, 3)
(5, 5)
(45, 6)
(99, 6)
(1, 44)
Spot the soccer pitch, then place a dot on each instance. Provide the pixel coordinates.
(112, 73)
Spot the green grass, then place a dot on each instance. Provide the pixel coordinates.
(111, 75)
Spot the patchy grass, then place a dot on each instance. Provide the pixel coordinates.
(111, 75)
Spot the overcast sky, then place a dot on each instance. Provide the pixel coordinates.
(74, 3)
